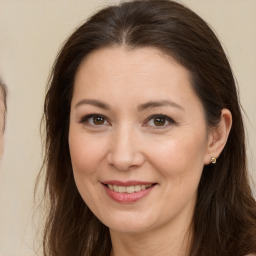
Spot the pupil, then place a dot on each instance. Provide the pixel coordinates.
(98, 120)
(159, 121)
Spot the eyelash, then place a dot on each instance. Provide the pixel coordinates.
(160, 116)
(87, 118)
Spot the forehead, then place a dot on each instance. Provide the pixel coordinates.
(114, 64)
(127, 56)
(141, 74)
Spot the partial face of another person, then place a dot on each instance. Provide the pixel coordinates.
(2, 121)
(138, 139)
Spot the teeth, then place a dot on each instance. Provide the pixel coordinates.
(128, 189)
(137, 188)
(121, 189)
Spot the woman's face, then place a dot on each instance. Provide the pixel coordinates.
(138, 139)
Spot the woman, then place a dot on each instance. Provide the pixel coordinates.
(145, 147)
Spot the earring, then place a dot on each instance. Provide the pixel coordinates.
(213, 160)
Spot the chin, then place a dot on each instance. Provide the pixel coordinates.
(128, 229)
(129, 224)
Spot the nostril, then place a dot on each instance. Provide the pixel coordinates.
(124, 160)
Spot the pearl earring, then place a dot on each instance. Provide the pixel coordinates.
(213, 160)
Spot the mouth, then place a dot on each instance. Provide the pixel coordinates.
(128, 189)
(128, 192)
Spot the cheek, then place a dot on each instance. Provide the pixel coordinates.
(180, 163)
(179, 157)
(85, 157)
(86, 153)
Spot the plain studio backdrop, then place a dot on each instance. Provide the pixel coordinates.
(31, 33)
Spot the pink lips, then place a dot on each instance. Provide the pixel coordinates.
(127, 197)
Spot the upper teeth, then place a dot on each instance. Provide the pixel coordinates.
(128, 189)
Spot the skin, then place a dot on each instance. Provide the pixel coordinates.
(126, 144)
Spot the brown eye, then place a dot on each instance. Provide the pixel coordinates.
(98, 120)
(94, 120)
(159, 121)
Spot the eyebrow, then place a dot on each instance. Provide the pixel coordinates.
(144, 106)
(161, 103)
(93, 102)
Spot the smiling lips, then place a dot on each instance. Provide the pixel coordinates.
(128, 189)
(128, 192)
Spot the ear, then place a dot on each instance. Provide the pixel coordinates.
(218, 136)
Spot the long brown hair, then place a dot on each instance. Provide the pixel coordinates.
(224, 221)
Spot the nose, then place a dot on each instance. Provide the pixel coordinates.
(125, 150)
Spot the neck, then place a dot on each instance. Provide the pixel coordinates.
(157, 243)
